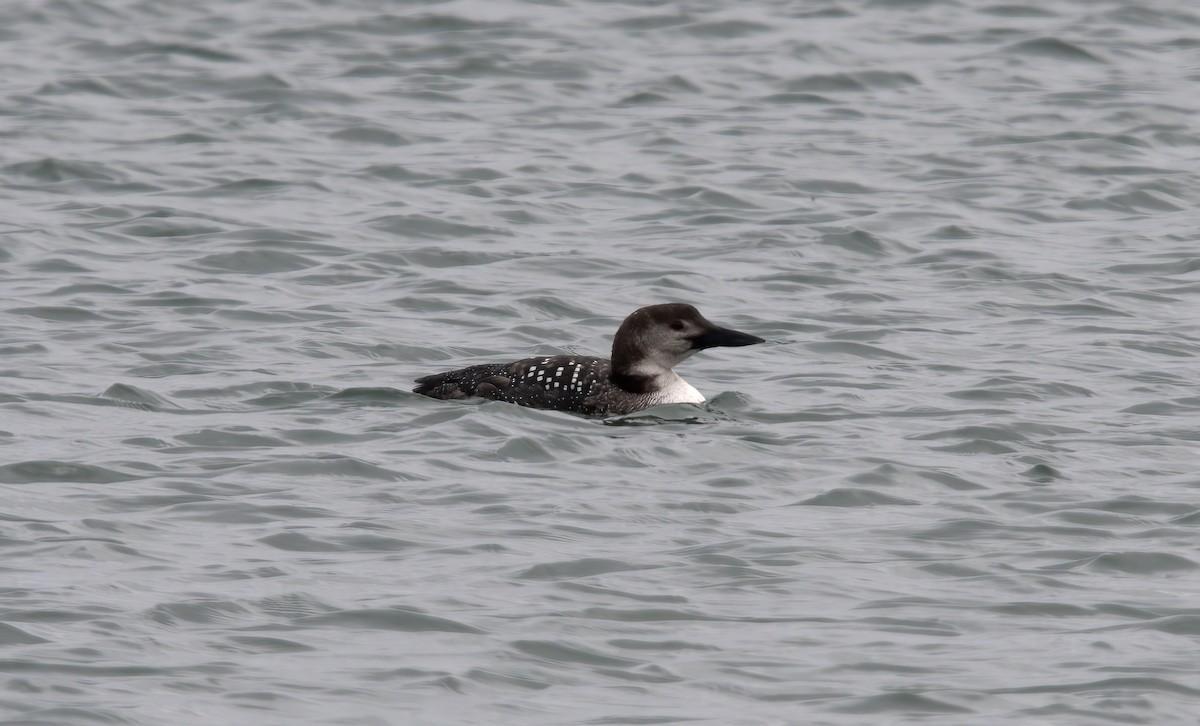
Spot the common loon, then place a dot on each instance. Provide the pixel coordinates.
(647, 346)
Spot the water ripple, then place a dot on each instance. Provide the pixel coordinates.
(958, 484)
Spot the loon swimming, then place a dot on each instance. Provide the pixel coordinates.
(647, 346)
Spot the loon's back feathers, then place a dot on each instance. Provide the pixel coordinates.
(559, 382)
(646, 348)
(462, 383)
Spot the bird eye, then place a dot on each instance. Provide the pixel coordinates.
(676, 325)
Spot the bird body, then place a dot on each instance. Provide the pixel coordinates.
(640, 374)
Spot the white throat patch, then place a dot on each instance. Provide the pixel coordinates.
(675, 390)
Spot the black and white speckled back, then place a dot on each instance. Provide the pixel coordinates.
(561, 383)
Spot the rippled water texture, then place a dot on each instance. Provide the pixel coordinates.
(958, 485)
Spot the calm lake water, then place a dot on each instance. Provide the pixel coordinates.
(960, 484)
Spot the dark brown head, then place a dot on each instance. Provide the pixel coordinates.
(655, 339)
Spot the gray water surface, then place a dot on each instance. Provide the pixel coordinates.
(958, 485)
